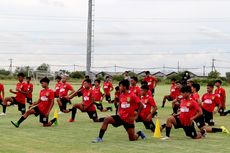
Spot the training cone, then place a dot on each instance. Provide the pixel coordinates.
(56, 116)
(157, 133)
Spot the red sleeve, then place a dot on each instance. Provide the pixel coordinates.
(111, 85)
(202, 98)
(135, 98)
(69, 87)
(152, 102)
(196, 105)
(51, 95)
(217, 100)
(223, 92)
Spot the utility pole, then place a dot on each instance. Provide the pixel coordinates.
(89, 39)
(204, 70)
(115, 68)
(11, 66)
(178, 66)
(164, 68)
(74, 68)
(213, 64)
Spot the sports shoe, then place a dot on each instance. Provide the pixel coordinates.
(15, 124)
(165, 138)
(60, 113)
(97, 140)
(204, 133)
(142, 135)
(3, 114)
(224, 129)
(110, 109)
(71, 120)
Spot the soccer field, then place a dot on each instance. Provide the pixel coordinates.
(75, 137)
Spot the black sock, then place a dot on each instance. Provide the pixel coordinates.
(152, 126)
(168, 129)
(101, 133)
(109, 108)
(163, 126)
(4, 108)
(74, 111)
(53, 120)
(61, 109)
(214, 130)
(101, 119)
(21, 120)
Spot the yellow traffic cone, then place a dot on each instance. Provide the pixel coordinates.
(56, 116)
(157, 133)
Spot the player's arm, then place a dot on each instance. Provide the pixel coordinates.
(111, 87)
(31, 90)
(198, 113)
(35, 103)
(102, 93)
(140, 107)
(224, 99)
(51, 106)
(3, 93)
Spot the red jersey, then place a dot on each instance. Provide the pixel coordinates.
(148, 103)
(195, 96)
(127, 105)
(1, 89)
(210, 101)
(20, 97)
(107, 87)
(151, 81)
(97, 93)
(45, 101)
(149, 93)
(57, 89)
(136, 90)
(87, 95)
(64, 89)
(174, 91)
(188, 109)
(30, 88)
(221, 94)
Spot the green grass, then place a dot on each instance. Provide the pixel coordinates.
(31, 137)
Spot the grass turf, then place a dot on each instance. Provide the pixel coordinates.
(31, 137)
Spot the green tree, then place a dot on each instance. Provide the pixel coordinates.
(214, 75)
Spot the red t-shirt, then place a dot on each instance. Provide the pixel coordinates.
(1, 89)
(210, 101)
(30, 88)
(64, 89)
(46, 100)
(97, 94)
(188, 109)
(195, 96)
(221, 94)
(151, 81)
(20, 97)
(136, 90)
(174, 91)
(57, 88)
(148, 103)
(127, 105)
(107, 87)
(87, 95)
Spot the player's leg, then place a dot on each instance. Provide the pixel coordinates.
(45, 121)
(172, 120)
(149, 125)
(79, 106)
(166, 97)
(22, 108)
(6, 101)
(24, 116)
(93, 115)
(190, 131)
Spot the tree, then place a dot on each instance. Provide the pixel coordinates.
(44, 67)
(228, 76)
(214, 75)
(4, 72)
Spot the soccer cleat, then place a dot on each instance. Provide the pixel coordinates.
(224, 129)
(3, 114)
(71, 120)
(203, 133)
(15, 124)
(110, 109)
(97, 140)
(165, 138)
(60, 113)
(142, 135)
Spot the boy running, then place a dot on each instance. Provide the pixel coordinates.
(30, 87)
(108, 88)
(152, 82)
(134, 87)
(42, 107)
(2, 93)
(220, 91)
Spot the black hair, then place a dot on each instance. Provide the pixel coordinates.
(134, 78)
(185, 89)
(97, 80)
(125, 83)
(107, 77)
(88, 81)
(173, 79)
(45, 79)
(147, 72)
(21, 74)
(178, 82)
(28, 78)
(117, 88)
(86, 77)
(145, 87)
(58, 78)
(196, 86)
(144, 83)
(210, 85)
(218, 81)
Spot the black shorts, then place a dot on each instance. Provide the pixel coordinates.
(200, 121)
(108, 98)
(178, 123)
(119, 122)
(92, 115)
(99, 106)
(153, 91)
(190, 131)
(43, 119)
(29, 100)
(21, 107)
(64, 102)
(208, 117)
(147, 124)
(169, 98)
(0, 101)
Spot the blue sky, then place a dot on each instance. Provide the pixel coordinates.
(128, 33)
